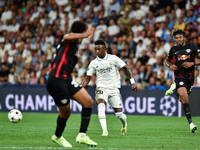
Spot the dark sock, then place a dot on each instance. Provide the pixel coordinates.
(85, 119)
(186, 109)
(61, 123)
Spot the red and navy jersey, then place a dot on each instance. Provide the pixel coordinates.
(183, 54)
(65, 59)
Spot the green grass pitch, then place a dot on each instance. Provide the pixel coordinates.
(144, 133)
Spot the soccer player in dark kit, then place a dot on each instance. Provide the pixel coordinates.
(183, 56)
(62, 88)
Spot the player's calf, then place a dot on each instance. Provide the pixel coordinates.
(122, 118)
(102, 118)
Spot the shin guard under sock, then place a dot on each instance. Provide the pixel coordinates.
(186, 109)
(85, 119)
(61, 123)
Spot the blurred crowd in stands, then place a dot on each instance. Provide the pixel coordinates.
(138, 31)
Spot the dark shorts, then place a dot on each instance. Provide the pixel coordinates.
(62, 90)
(187, 83)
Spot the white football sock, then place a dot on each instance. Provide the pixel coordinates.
(56, 137)
(102, 116)
(81, 134)
(122, 118)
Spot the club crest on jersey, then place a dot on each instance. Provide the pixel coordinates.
(188, 50)
(181, 83)
(110, 63)
(64, 101)
(183, 57)
(96, 66)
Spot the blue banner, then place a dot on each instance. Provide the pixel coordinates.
(37, 99)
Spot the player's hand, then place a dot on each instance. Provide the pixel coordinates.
(134, 87)
(173, 67)
(90, 31)
(187, 64)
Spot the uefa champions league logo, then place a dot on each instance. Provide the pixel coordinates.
(168, 105)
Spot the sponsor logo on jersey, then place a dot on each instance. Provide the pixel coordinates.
(181, 83)
(183, 57)
(105, 70)
(64, 101)
(188, 50)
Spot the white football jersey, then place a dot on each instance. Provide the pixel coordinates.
(106, 70)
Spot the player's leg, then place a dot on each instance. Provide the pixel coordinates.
(64, 113)
(115, 102)
(101, 96)
(85, 100)
(102, 115)
(122, 117)
(59, 93)
(184, 99)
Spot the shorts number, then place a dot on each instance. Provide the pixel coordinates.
(99, 92)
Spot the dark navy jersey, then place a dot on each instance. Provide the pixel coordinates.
(65, 59)
(183, 54)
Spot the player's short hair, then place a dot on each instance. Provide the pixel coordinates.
(178, 31)
(78, 27)
(100, 42)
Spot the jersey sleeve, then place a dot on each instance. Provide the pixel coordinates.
(170, 55)
(196, 50)
(90, 69)
(120, 63)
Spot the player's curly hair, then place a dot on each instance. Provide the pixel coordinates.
(78, 27)
(178, 31)
(99, 42)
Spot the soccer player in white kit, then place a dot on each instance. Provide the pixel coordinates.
(108, 83)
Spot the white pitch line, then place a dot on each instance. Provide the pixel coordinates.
(49, 148)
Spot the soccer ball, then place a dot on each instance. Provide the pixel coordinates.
(15, 115)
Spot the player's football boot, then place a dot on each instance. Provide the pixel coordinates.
(85, 140)
(124, 129)
(193, 128)
(61, 141)
(105, 133)
(170, 90)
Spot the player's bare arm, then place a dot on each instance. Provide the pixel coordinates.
(73, 36)
(190, 64)
(171, 66)
(130, 75)
(86, 81)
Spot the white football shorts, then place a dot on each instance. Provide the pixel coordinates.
(110, 96)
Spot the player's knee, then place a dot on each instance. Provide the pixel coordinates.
(88, 103)
(183, 97)
(119, 114)
(65, 114)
